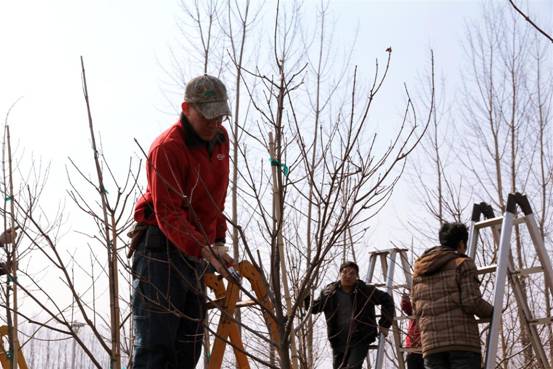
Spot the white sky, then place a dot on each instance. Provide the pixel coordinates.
(126, 48)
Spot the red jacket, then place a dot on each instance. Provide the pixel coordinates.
(187, 184)
(413, 338)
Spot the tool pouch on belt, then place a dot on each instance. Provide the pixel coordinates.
(136, 234)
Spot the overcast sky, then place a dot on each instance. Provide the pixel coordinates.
(127, 47)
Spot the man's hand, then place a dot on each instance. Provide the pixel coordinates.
(219, 248)
(221, 261)
(8, 236)
(383, 330)
(406, 305)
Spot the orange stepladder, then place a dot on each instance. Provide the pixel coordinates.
(4, 359)
(226, 299)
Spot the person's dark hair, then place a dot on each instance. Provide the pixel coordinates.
(452, 233)
(349, 264)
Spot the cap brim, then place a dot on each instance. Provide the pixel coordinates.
(211, 110)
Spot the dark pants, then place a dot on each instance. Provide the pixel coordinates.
(453, 360)
(415, 361)
(350, 359)
(168, 305)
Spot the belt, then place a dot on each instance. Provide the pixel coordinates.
(154, 231)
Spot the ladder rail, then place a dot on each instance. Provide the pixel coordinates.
(406, 270)
(372, 265)
(388, 264)
(499, 290)
(518, 291)
(541, 252)
(228, 329)
(473, 238)
(4, 359)
(506, 270)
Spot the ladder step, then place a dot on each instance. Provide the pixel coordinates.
(524, 272)
(497, 221)
(528, 271)
(483, 320)
(488, 223)
(387, 251)
(416, 350)
(215, 303)
(487, 269)
(395, 286)
(545, 320)
(218, 303)
(404, 317)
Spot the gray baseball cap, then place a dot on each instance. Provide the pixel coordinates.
(209, 95)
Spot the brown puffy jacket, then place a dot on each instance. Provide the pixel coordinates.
(446, 296)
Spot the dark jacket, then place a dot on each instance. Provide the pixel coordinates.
(364, 327)
(187, 185)
(446, 296)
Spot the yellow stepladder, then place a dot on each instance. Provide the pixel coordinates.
(227, 301)
(4, 359)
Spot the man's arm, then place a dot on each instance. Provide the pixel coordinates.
(387, 308)
(471, 298)
(221, 227)
(166, 173)
(318, 305)
(165, 176)
(406, 305)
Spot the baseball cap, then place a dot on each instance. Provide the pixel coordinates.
(209, 96)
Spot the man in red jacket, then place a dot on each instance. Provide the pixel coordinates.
(182, 214)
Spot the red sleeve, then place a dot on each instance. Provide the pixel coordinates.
(221, 229)
(166, 173)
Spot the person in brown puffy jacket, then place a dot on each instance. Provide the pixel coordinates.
(446, 297)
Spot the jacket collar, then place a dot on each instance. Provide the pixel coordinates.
(434, 260)
(334, 286)
(191, 138)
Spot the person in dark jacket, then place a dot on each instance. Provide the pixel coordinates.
(446, 297)
(181, 220)
(349, 308)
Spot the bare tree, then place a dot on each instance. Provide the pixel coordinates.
(110, 213)
(527, 18)
(328, 173)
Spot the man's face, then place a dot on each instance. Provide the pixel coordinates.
(205, 128)
(348, 277)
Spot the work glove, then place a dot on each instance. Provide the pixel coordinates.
(219, 248)
(223, 263)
